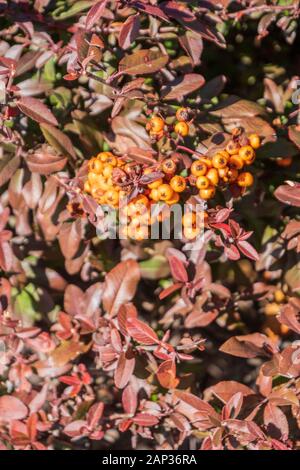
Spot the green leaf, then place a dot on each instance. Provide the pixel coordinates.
(76, 8)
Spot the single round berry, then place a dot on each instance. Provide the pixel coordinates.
(254, 140)
(219, 161)
(155, 125)
(181, 128)
(165, 192)
(182, 114)
(245, 179)
(213, 176)
(198, 168)
(246, 153)
(207, 193)
(169, 166)
(202, 182)
(178, 184)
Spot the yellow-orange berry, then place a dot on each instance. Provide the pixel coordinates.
(235, 161)
(232, 175)
(112, 160)
(219, 161)
(213, 176)
(254, 140)
(198, 168)
(207, 193)
(94, 179)
(245, 179)
(202, 182)
(279, 296)
(165, 192)
(191, 232)
(178, 183)
(189, 219)
(95, 165)
(154, 195)
(103, 156)
(87, 187)
(169, 166)
(182, 128)
(112, 197)
(155, 125)
(182, 114)
(223, 173)
(107, 170)
(232, 147)
(173, 200)
(246, 153)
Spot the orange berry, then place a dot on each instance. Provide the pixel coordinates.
(178, 183)
(103, 156)
(284, 162)
(181, 128)
(173, 200)
(219, 161)
(112, 197)
(155, 125)
(279, 296)
(232, 147)
(245, 179)
(232, 175)
(165, 192)
(246, 153)
(271, 309)
(169, 166)
(154, 195)
(182, 114)
(223, 173)
(213, 176)
(236, 162)
(112, 160)
(202, 182)
(95, 165)
(94, 179)
(207, 193)
(198, 168)
(254, 140)
(87, 187)
(189, 219)
(191, 232)
(155, 184)
(107, 170)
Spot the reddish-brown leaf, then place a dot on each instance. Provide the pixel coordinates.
(36, 110)
(124, 370)
(141, 332)
(120, 285)
(182, 86)
(12, 408)
(129, 31)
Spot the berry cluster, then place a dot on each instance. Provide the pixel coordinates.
(134, 188)
(156, 125)
(100, 182)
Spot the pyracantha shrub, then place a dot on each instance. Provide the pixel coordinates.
(131, 341)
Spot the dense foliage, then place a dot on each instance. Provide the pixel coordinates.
(132, 342)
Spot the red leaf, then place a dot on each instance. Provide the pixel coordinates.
(166, 374)
(227, 389)
(95, 13)
(129, 31)
(124, 370)
(120, 285)
(182, 86)
(177, 267)
(248, 250)
(289, 194)
(129, 399)
(36, 110)
(276, 422)
(248, 346)
(141, 332)
(126, 311)
(145, 419)
(12, 408)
